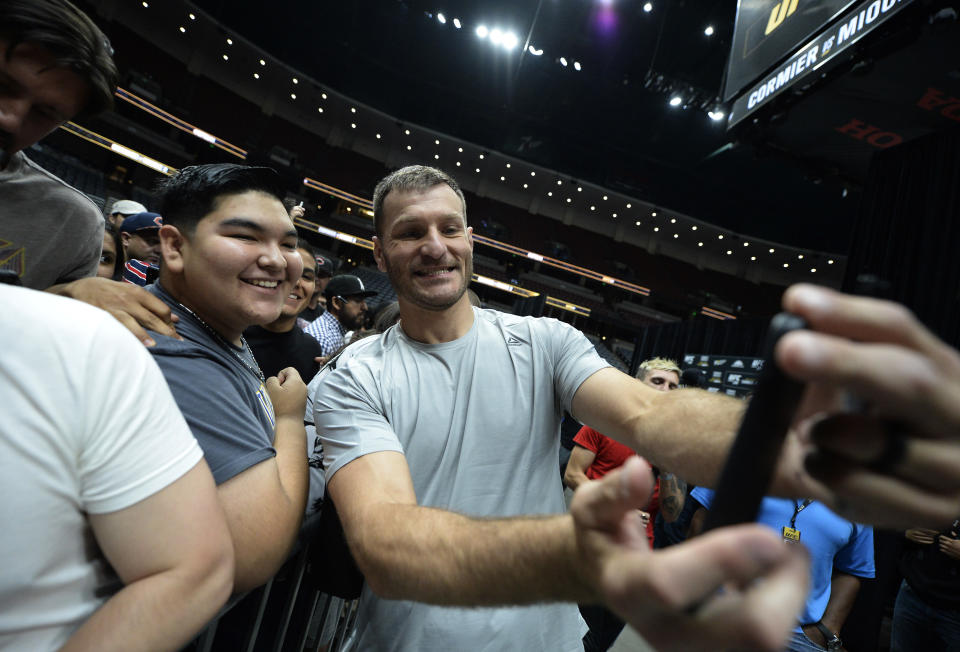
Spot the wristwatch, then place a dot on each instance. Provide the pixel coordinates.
(832, 639)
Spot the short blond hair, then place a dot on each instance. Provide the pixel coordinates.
(663, 364)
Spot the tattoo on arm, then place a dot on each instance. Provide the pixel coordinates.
(673, 492)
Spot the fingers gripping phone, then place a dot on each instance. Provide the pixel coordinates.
(745, 478)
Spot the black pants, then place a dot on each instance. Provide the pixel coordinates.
(604, 626)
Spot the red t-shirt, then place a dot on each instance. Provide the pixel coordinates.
(609, 455)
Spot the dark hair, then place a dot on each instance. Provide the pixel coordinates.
(306, 246)
(411, 178)
(192, 193)
(73, 39)
(118, 263)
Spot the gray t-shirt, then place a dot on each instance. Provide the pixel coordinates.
(478, 420)
(49, 232)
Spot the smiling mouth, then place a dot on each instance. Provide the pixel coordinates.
(270, 285)
(428, 273)
(293, 297)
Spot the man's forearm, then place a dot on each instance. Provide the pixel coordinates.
(288, 441)
(440, 557)
(159, 612)
(574, 479)
(843, 593)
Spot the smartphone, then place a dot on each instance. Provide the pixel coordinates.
(745, 478)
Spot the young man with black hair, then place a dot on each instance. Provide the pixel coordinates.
(56, 65)
(280, 343)
(230, 261)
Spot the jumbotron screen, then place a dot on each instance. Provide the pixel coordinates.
(775, 43)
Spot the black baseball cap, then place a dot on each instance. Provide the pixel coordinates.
(347, 285)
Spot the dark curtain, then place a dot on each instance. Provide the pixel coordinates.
(703, 335)
(907, 231)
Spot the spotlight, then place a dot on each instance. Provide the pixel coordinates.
(226, 58)
(510, 40)
(193, 17)
(716, 114)
(496, 36)
(263, 63)
(675, 100)
(183, 30)
(576, 66)
(442, 19)
(563, 62)
(709, 30)
(229, 41)
(648, 7)
(534, 51)
(482, 31)
(456, 23)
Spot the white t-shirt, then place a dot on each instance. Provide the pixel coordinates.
(478, 420)
(88, 426)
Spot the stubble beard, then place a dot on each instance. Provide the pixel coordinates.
(404, 287)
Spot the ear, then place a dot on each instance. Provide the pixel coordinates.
(470, 236)
(378, 254)
(125, 239)
(172, 246)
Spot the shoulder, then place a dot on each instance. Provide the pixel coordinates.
(59, 190)
(525, 326)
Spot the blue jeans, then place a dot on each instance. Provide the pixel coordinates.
(798, 642)
(918, 626)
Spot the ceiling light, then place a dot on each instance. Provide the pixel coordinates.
(563, 62)
(436, 142)
(524, 185)
(510, 41)
(576, 66)
(482, 31)
(813, 270)
(614, 214)
(604, 198)
(458, 163)
(297, 81)
(693, 228)
(532, 173)
(226, 58)
(656, 228)
(409, 148)
(675, 100)
(771, 250)
(378, 136)
(406, 131)
(496, 36)
(436, 157)
(753, 257)
(353, 125)
(729, 252)
(673, 220)
(638, 223)
(786, 264)
(481, 157)
(478, 170)
(193, 17)
(353, 109)
(648, 7)
(579, 188)
(508, 165)
(256, 75)
(629, 205)
(460, 149)
(800, 257)
(263, 63)
(549, 193)
(699, 244)
(720, 237)
(534, 51)
(442, 19)
(653, 214)
(716, 114)
(503, 178)
(229, 41)
(183, 30)
(456, 23)
(593, 208)
(676, 235)
(320, 110)
(559, 182)
(293, 96)
(830, 262)
(145, 5)
(746, 244)
(323, 95)
(709, 30)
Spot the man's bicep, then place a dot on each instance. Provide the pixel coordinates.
(377, 478)
(179, 524)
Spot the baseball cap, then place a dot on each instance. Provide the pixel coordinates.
(324, 266)
(127, 207)
(141, 221)
(347, 285)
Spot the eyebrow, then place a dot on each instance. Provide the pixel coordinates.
(247, 223)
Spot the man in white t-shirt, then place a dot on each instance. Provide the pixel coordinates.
(113, 535)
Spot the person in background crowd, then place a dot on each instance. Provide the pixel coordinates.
(593, 456)
(230, 261)
(281, 344)
(122, 209)
(841, 555)
(317, 303)
(114, 538)
(140, 235)
(926, 615)
(346, 311)
(58, 65)
(111, 258)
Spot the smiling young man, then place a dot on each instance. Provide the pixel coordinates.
(230, 260)
(280, 343)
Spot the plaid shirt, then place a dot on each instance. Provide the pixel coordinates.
(328, 331)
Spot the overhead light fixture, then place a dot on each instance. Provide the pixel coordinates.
(442, 19)
(629, 205)
(458, 163)
(676, 235)
(720, 237)
(226, 58)
(353, 125)
(813, 270)
(229, 41)
(478, 170)
(830, 262)
(576, 66)
(183, 30)
(800, 257)
(293, 96)
(496, 36)
(256, 75)
(436, 142)
(746, 244)
(378, 136)
(510, 41)
(673, 220)
(676, 100)
(729, 252)
(409, 147)
(786, 265)
(534, 51)
(549, 193)
(753, 257)
(295, 80)
(604, 198)
(482, 31)
(648, 7)
(593, 208)
(263, 63)
(323, 95)
(716, 114)
(193, 17)
(563, 61)
(508, 165)
(145, 5)
(406, 132)
(436, 157)
(771, 250)
(525, 186)
(456, 23)
(693, 228)
(653, 214)
(460, 149)
(656, 229)
(320, 110)
(569, 200)
(481, 157)
(533, 173)
(709, 30)
(699, 244)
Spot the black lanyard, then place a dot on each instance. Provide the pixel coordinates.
(799, 507)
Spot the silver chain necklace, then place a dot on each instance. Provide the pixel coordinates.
(254, 368)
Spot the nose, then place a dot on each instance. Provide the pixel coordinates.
(432, 245)
(271, 257)
(13, 111)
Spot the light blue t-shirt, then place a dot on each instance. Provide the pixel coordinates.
(834, 543)
(478, 420)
